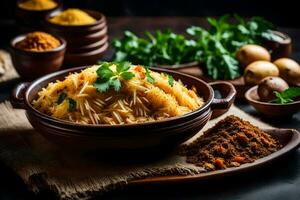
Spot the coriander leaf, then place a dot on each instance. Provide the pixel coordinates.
(61, 98)
(101, 86)
(104, 72)
(107, 78)
(170, 80)
(127, 75)
(286, 96)
(115, 83)
(72, 105)
(123, 66)
(150, 79)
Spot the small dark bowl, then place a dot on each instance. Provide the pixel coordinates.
(279, 49)
(86, 58)
(31, 20)
(31, 65)
(163, 134)
(79, 29)
(272, 110)
(86, 39)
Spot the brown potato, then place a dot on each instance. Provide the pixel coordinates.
(250, 53)
(289, 70)
(269, 85)
(258, 70)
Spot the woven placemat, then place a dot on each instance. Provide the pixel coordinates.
(44, 167)
(7, 71)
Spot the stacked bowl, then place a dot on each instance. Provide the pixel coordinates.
(85, 43)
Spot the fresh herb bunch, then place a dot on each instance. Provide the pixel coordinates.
(107, 78)
(160, 48)
(287, 96)
(215, 47)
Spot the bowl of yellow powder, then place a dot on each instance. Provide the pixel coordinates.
(85, 32)
(74, 17)
(37, 53)
(31, 14)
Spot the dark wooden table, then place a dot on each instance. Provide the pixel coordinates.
(277, 181)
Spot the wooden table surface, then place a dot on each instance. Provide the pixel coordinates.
(277, 181)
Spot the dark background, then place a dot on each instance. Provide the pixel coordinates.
(283, 13)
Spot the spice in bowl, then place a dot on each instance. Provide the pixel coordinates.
(72, 17)
(38, 42)
(37, 5)
(230, 143)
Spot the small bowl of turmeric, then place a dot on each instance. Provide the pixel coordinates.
(81, 28)
(37, 53)
(31, 14)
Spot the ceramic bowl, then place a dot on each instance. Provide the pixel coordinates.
(31, 20)
(279, 49)
(272, 110)
(163, 134)
(31, 65)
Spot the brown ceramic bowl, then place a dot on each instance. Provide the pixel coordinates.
(86, 58)
(86, 39)
(89, 47)
(271, 109)
(279, 49)
(79, 29)
(30, 20)
(31, 65)
(163, 134)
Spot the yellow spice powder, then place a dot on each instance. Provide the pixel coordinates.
(72, 17)
(38, 41)
(37, 4)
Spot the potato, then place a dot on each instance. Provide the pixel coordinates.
(250, 53)
(269, 85)
(289, 70)
(258, 70)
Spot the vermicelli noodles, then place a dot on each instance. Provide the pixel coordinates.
(76, 99)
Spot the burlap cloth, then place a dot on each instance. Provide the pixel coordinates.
(44, 167)
(7, 71)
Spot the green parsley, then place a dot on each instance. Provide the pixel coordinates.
(170, 79)
(72, 105)
(61, 98)
(108, 78)
(150, 79)
(287, 96)
(215, 47)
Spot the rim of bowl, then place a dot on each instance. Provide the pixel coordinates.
(59, 5)
(98, 21)
(247, 96)
(286, 39)
(18, 38)
(205, 106)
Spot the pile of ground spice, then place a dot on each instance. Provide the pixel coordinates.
(38, 41)
(72, 17)
(230, 143)
(37, 4)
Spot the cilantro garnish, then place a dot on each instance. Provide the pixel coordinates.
(61, 98)
(287, 95)
(72, 105)
(107, 78)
